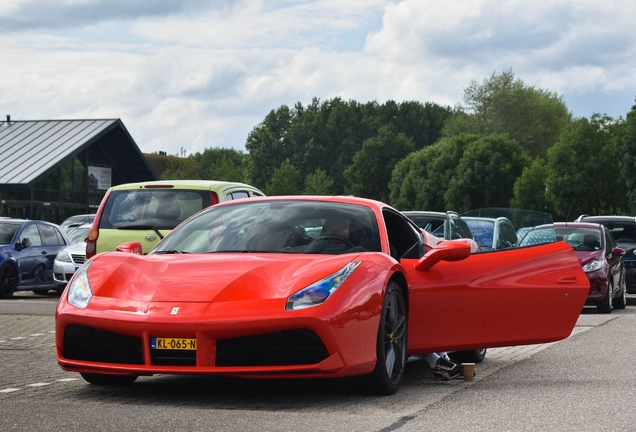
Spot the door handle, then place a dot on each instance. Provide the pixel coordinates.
(567, 280)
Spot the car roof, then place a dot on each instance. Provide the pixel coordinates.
(601, 219)
(182, 184)
(570, 224)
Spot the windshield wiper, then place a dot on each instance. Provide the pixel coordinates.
(170, 251)
(134, 226)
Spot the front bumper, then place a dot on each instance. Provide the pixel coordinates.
(244, 338)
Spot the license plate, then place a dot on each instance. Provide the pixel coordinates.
(173, 344)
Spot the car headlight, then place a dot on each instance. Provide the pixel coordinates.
(79, 293)
(593, 266)
(63, 256)
(320, 291)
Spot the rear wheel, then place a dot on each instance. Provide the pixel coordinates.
(387, 376)
(115, 380)
(605, 305)
(8, 281)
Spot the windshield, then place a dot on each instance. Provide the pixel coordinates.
(78, 235)
(581, 239)
(159, 208)
(277, 226)
(7, 231)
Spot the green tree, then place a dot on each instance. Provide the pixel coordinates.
(582, 177)
(286, 180)
(225, 164)
(181, 169)
(370, 173)
(318, 183)
(626, 157)
(486, 174)
(533, 117)
(225, 169)
(420, 181)
(530, 189)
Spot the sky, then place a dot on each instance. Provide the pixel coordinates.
(187, 75)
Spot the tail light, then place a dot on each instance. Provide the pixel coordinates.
(214, 198)
(93, 233)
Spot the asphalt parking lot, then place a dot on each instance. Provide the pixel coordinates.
(581, 383)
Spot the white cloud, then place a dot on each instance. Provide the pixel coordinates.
(194, 77)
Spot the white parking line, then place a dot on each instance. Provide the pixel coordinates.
(37, 334)
(19, 337)
(9, 390)
(40, 384)
(67, 379)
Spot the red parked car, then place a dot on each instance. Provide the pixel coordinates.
(600, 257)
(306, 287)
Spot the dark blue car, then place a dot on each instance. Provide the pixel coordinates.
(27, 251)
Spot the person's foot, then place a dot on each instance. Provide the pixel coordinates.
(446, 370)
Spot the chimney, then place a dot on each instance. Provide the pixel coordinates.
(8, 118)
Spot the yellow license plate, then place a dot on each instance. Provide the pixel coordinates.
(173, 344)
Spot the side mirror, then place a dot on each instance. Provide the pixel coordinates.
(618, 251)
(25, 243)
(131, 247)
(444, 251)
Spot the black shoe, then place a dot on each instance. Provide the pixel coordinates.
(446, 370)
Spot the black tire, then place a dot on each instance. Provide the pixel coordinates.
(470, 356)
(114, 380)
(8, 280)
(621, 301)
(41, 291)
(387, 376)
(605, 305)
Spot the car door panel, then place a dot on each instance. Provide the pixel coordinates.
(510, 297)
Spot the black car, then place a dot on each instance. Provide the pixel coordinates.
(623, 230)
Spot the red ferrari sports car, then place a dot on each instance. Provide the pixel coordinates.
(301, 287)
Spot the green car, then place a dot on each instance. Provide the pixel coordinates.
(147, 212)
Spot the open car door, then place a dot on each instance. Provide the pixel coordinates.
(512, 296)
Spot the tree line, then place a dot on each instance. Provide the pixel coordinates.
(507, 145)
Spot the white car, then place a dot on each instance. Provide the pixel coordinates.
(69, 259)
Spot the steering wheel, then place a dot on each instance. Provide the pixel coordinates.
(320, 243)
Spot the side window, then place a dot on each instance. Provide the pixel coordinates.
(49, 237)
(507, 236)
(462, 228)
(254, 193)
(404, 240)
(237, 195)
(33, 234)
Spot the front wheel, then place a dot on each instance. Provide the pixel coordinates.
(115, 380)
(621, 301)
(605, 305)
(387, 376)
(8, 281)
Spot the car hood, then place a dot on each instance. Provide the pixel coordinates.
(585, 257)
(77, 248)
(208, 277)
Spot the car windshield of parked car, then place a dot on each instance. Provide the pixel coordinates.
(497, 228)
(288, 226)
(158, 208)
(483, 231)
(581, 239)
(7, 231)
(78, 235)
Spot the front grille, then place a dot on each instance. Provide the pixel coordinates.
(290, 347)
(173, 357)
(69, 276)
(89, 344)
(78, 258)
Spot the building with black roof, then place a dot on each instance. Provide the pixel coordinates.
(53, 169)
